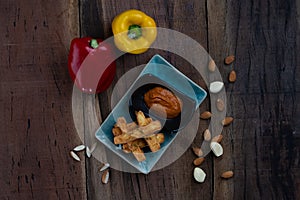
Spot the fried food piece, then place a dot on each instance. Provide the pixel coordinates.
(139, 154)
(153, 143)
(152, 140)
(160, 137)
(116, 131)
(144, 131)
(140, 132)
(124, 138)
(137, 151)
(134, 136)
(142, 142)
(141, 119)
(138, 142)
(131, 126)
(122, 124)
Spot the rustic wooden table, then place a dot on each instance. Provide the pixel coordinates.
(262, 146)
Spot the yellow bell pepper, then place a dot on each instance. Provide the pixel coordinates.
(134, 31)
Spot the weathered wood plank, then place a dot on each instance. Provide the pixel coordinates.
(262, 142)
(174, 181)
(219, 46)
(36, 118)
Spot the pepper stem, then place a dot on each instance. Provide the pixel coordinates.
(94, 44)
(134, 31)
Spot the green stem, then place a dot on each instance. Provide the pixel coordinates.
(94, 44)
(134, 31)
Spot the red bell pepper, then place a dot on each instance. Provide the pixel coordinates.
(91, 64)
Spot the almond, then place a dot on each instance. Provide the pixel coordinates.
(227, 121)
(88, 152)
(232, 76)
(197, 151)
(217, 138)
(207, 135)
(227, 174)
(198, 161)
(74, 156)
(199, 175)
(105, 176)
(79, 148)
(229, 59)
(205, 115)
(212, 66)
(220, 105)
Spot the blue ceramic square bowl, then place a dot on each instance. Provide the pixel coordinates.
(157, 72)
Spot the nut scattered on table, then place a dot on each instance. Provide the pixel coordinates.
(205, 115)
(74, 156)
(220, 105)
(197, 151)
(227, 121)
(207, 135)
(79, 148)
(211, 66)
(198, 161)
(216, 147)
(217, 138)
(229, 59)
(104, 167)
(232, 76)
(88, 152)
(227, 174)
(105, 176)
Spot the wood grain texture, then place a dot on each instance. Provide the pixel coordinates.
(262, 143)
(37, 130)
(261, 146)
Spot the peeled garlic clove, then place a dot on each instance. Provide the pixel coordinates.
(199, 175)
(216, 86)
(216, 148)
